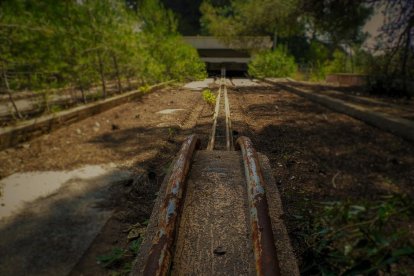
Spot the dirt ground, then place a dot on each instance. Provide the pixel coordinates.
(314, 153)
(319, 155)
(134, 137)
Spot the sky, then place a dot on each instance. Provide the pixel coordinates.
(373, 26)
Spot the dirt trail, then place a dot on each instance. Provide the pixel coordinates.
(308, 147)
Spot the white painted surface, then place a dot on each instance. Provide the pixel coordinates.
(244, 82)
(50, 218)
(199, 85)
(19, 188)
(169, 111)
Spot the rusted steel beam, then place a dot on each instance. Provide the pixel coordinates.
(263, 241)
(160, 256)
(229, 133)
(212, 139)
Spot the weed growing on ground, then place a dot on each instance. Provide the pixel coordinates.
(55, 108)
(145, 88)
(171, 133)
(356, 237)
(209, 97)
(119, 260)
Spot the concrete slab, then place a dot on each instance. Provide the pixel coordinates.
(199, 85)
(48, 235)
(243, 82)
(169, 111)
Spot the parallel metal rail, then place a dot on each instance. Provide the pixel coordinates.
(212, 139)
(160, 257)
(229, 133)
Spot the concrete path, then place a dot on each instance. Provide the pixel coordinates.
(49, 219)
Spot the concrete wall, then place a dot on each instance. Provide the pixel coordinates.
(11, 136)
(347, 79)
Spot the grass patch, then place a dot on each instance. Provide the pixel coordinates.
(356, 237)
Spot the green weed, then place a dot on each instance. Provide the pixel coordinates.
(112, 258)
(119, 261)
(55, 108)
(171, 133)
(145, 88)
(209, 97)
(355, 237)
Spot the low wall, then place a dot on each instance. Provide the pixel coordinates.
(13, 135)
(347, 79)
(398, 126)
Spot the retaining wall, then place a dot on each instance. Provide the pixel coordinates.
(398, 126)
(13, 135)
(347, 79)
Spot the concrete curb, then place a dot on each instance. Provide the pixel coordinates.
(398, 126)
(11, 136)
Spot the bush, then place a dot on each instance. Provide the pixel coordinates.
(181, 60)
(272, 64)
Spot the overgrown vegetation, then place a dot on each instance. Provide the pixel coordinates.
(356, 237)
(47, 44)
(120, 260)
(209, 97)
(277, 63)
(325, 36)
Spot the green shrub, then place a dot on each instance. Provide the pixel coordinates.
(177, 60)
(355, 237)
(209, 97)
(272, 64)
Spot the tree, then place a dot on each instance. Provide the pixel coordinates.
(337, 21)
(395, 40)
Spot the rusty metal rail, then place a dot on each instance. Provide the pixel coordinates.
(229, 132)
(263, 241)
(212, 139)
(228, 129)
(160, 256)
(159, 259)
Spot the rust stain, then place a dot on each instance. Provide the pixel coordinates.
(160, 256)
(263, 241)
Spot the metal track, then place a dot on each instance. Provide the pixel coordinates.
(159, 259)
(261, 227)
(229, 133)
(212, 139)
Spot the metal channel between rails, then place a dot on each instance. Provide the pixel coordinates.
(160, 257)
(229, 134)
(212, 139)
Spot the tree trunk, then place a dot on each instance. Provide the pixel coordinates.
(19, 115)
(129, 82)
(83, 94)
(274, 40)
(101, 73)
(404, 61)
(118, 77)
